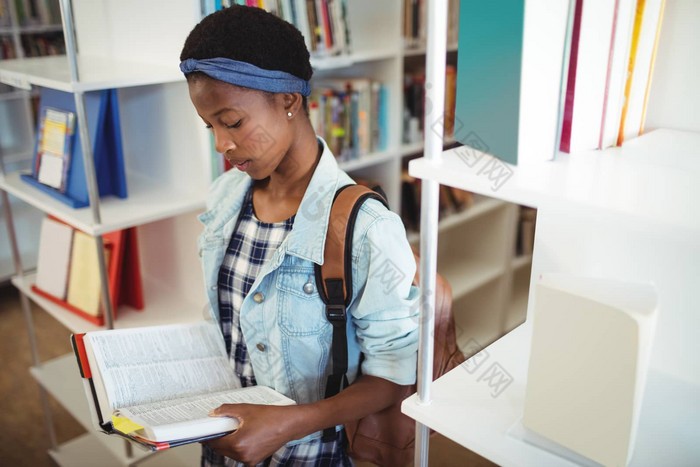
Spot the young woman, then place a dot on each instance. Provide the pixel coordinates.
(248, 74)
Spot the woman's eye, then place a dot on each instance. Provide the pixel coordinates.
(235, 125)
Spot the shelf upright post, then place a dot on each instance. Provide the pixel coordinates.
(26, 306)
(88, 161)
(433, 126)
(16, 36)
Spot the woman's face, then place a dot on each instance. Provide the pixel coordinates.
(250, 128)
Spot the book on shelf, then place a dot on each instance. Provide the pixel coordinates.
(323, 23)
(514, 117)
(613, 47)
(68, 270)
(590, 351)
(55, 243)
(451, 201)
(54, 147)
(37, 12)
(350, 115)
(414, 105)
(415, 20)
(156, 385)
(645, 37)
(105, 136)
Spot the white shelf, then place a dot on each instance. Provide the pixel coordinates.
(652, 179)
(61, 378)
(94, 72)
(163, 306)
(458, 218)
(33, 29)
(348, 60)
(6, 96)
(147, 202)
(87, 451)
(521, 261)
(420, 50)
(466, 276)
(668, 425)
(414, 148)
(368, 160)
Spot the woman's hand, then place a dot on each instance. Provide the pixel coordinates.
(262, 430)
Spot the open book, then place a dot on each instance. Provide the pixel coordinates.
(156, 385)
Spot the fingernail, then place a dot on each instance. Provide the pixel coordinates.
(212, 413)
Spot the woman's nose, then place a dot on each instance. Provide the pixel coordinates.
(222, 141)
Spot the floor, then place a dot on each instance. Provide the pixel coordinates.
(23, 436)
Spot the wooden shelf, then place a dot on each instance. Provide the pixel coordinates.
(147, 202)
(163, 306)
(94, 72)
(458, 218)
(467, 276)
(667, 433)
(651, 179)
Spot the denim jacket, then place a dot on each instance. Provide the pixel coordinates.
(283, 318)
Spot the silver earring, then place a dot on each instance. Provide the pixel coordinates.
(289, 114)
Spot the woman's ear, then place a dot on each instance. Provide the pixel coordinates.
(293, 103)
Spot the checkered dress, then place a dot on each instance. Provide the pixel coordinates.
(252, 244)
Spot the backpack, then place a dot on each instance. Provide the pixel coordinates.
(385, 438)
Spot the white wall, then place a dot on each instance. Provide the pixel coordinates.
(674, 98)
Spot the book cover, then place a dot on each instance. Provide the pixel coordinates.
(54, 148)
(55, 244)
(84, 286)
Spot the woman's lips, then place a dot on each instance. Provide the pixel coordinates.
(242, 166)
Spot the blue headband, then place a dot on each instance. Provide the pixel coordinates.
(247, 75)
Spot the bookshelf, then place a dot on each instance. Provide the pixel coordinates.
(17, 35)
(630, 212)
(168, 165)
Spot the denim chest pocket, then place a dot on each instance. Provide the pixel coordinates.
(301, 310)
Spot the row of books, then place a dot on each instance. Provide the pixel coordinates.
(40, 45)
(350, 115)
(323, 23)
(415, 105)
(68, 269)
(31, 12)
(451, 200)
(34, 45)
(613, 49)
(415, 18)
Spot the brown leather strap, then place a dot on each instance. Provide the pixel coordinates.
(334, 257)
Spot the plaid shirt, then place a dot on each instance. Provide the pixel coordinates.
(251, 245)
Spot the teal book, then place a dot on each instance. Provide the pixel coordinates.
(509, 78)
(488, 77)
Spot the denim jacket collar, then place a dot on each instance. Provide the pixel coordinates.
(308, 235)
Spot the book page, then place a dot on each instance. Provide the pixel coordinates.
(194, 408)
(144, 365)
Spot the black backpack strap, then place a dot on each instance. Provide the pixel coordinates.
(334, 280)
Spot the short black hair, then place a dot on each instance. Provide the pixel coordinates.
(251, 35)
